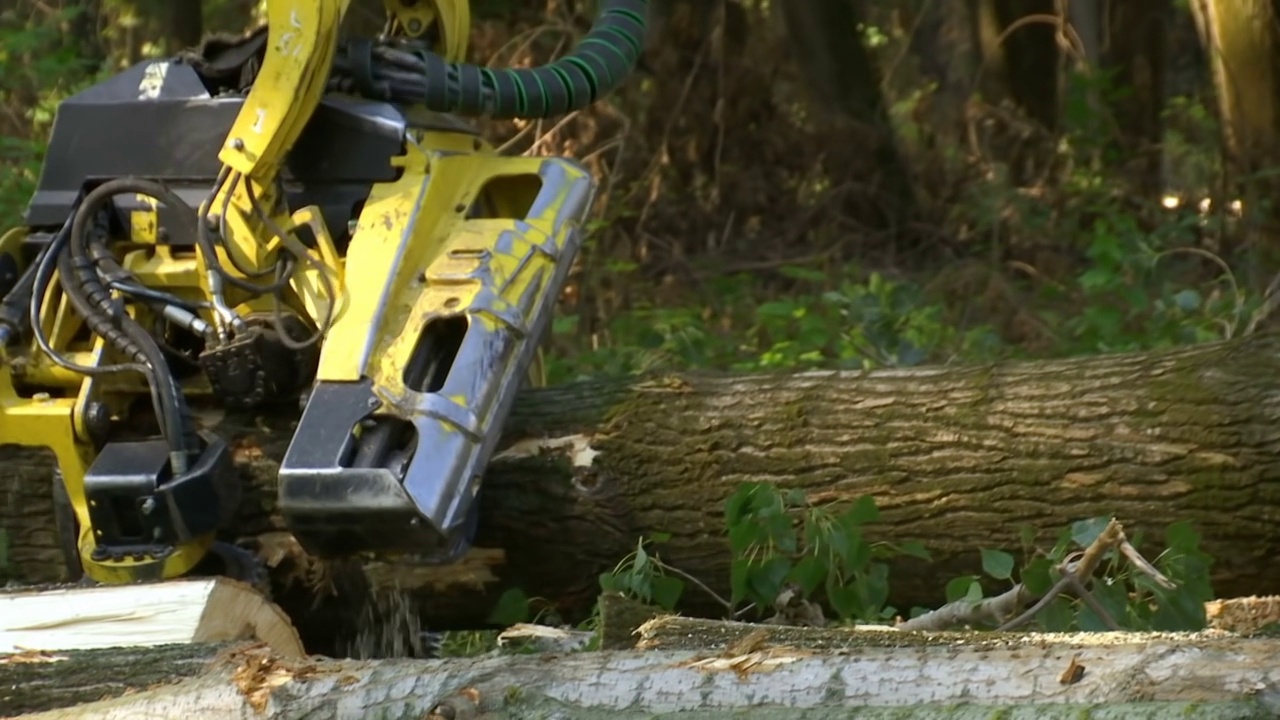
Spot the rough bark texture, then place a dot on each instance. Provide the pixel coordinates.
(960, 458)
(45, 680)
(1116, 676)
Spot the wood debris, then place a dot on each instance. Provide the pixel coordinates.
(24, 656)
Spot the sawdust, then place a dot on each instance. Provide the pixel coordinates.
(258, 672)
(1245, 615)
(744, 665)
(388, 626)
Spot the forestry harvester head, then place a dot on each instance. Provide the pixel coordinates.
(291, 216)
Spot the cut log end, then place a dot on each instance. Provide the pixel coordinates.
(200, 610)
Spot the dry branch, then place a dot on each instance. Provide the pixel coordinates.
(958, 457)
(909, 676)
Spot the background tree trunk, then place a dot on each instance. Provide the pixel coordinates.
(1019, 47)
(1239, 38)
(960, 458)
(1137, 52)
(183, 23)
(826, 41)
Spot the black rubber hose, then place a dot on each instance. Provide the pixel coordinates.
(103, 316)
(595, 68)
(13, 309)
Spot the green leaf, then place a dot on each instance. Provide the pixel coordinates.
(659, 537)
(1187, 300)
(1036, 576)
(1181, 536)
(511, 608)
(808, 573)
(1084, 532)
(863, 511)
(796, 498)
(915, 548)
(997, 564)
(667, 591)
(974, 593)
(735, 507)
(844, 600)
(611, 583)
(958, 588)
(641, 562)
(742, 537)
(873, 586)
(739, 573)
(802, 273)
(767, 579)
(1057, 616)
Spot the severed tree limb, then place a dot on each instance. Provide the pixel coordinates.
(1075, 572)
(877, 675)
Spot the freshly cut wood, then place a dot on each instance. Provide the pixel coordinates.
(205, 610)
(1245, 616)
(1054, 676)
(957, 457)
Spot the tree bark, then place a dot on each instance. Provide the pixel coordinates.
(880, 675)
(958, 457)
(35, 681)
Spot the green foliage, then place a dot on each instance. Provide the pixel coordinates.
(644, 577)
(778, 540)
(826, 555)
(845, 322)
(1134, 600)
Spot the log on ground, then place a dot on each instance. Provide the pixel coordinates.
(1066, 676)
(195, 610)
(958, 457)
(40, 680)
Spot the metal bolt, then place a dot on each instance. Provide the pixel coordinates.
(237, 144)
(148, 506)
(415, 25)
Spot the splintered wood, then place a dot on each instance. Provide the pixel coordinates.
(205, 610)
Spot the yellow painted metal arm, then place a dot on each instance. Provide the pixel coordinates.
(302, 37)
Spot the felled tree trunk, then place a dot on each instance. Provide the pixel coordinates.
(877, 675)
(958, 457)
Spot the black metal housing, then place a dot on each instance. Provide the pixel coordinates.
(172, 130)
(138, 507)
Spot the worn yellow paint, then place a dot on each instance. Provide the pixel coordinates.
(406, 265)
(144, 225)
(451, 17)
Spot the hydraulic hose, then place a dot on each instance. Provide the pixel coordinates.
(595, 68)
(89, 294)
